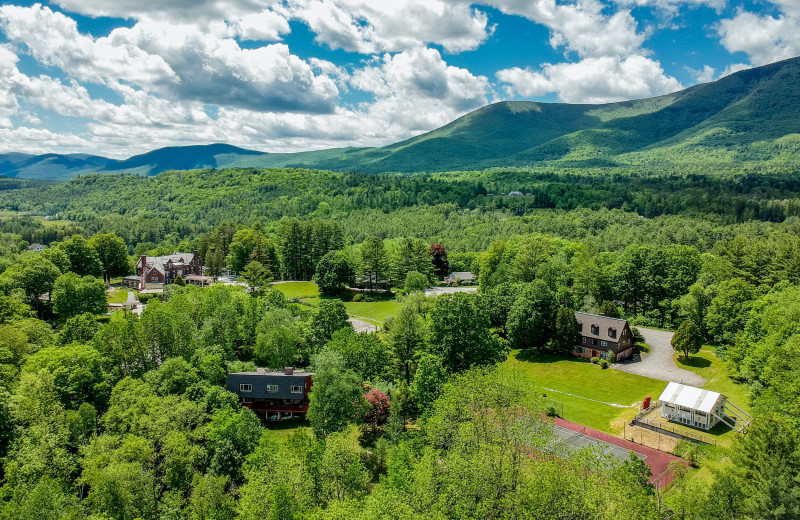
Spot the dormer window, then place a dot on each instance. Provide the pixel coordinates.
(612, 332)
(580, 326)
(595, 329)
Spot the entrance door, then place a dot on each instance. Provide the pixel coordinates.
(594, 353)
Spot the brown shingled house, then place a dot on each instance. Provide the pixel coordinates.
(603, 337)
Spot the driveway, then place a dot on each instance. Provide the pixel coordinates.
(658, 364)
(436, 291)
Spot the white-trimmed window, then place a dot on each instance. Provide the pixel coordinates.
(247, 400)
(604, 343)
(296, 389)
(583, 350)
(245, 388)
(583, 340)
(271, 389)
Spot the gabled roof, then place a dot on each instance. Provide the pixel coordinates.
(690, 397)
(603, 322)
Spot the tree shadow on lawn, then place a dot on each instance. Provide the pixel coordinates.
(694, 362)
(534, 356)
(348, 296)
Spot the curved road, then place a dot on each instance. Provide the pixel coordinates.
(658, 364)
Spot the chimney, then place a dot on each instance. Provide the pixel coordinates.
(288, 371)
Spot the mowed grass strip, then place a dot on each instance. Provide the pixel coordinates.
(118, 296)
(374, 311)
(300, 290)
(579, 385)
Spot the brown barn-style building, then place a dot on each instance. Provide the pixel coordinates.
(603, 337)
(272, 393)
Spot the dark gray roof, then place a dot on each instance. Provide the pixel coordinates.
(603, 322)
(260, 380)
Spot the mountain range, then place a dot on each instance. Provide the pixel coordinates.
(751, 117)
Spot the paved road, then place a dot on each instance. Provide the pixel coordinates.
(362, 326)
(658, 364)
(436, 291)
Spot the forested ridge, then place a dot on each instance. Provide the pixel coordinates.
(127, 417)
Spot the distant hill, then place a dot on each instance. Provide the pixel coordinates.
(751, 117)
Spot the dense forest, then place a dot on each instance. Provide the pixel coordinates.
(127, 416)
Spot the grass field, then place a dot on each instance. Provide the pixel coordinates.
(375, 312)
(118, 296)
(587, 393)
(708, 365)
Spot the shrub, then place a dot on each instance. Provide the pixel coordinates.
(594, 360)
(550, 411)
(144, 298)
(604, 363)
(358, 297)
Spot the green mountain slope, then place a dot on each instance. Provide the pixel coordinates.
(748, 118)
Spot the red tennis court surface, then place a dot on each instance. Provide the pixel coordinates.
(657, 460)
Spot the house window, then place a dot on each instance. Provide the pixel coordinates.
(612, 333)
(603, 355)
(604, 343)
(583, 339)
(580, 326)
(247, 400)
(595, 329)
(296, 389)
(583, 350)
(245, 388)
(594, 342)
(272, 388)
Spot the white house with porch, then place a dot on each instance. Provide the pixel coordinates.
(700, 408)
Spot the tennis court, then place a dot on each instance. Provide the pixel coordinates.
(576, 440)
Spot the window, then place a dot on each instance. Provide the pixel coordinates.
(612, 332)
(594, 342)
(272, 388)
(603, 355)
(247, 400)
(296, 389)
(604, 343)
(595, 329)
(245, 388)
(580, 326)
(583, 350)
(583, 339)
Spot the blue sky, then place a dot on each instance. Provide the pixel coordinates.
(124, 77)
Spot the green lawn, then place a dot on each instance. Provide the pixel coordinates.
(301, 290)
(708, 365)
(588, 384)
(374, 311)
(118, 296)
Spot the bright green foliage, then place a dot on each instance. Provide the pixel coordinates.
(727, 313)
(112, 253)
(429, 380)
(79, 373)
(532, 318)
(364, 354)
(232, 436)
(34, 274)
(14, 307)
(83, 258)
(460, 332)
(769, 459)
(210, 499)
(278, 341)
(78, 329)
(610, 309)
(567, 331)
(687, 339)
(251, 245)
(374, 261)
(335, 272)
(256, 274)
(337, 398)
(411, 255)
(74, 294)
(329, 317)
(415, 282)
(406, 339)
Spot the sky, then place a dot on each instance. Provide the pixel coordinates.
(121, 77)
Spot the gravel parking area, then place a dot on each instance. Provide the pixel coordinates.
(659, 364)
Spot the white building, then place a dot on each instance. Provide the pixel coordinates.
(693, 406)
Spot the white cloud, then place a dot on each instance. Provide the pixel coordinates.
(580, 26)
(672, 6)
(53, 39)
(765, 39)
(371, 27)
(701, 76)
(177, 61)
(593, 80)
